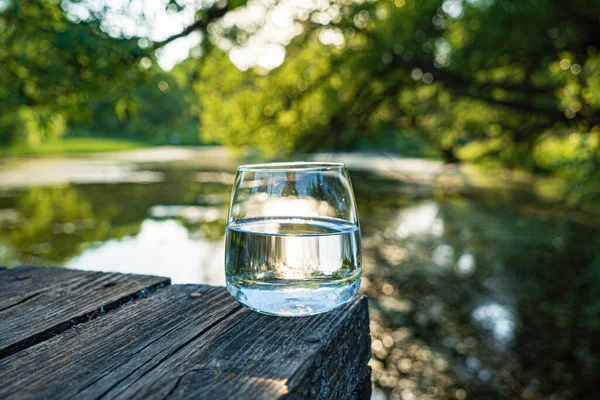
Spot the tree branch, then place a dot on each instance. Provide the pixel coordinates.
(457, 85)
(208, 16)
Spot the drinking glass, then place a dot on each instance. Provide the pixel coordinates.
(293, 238)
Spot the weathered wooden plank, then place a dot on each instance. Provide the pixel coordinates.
(196, 341)
(364, 389)
(37, 303)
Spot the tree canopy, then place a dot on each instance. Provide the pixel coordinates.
(51, 67)
(516, 82)
(491, 77)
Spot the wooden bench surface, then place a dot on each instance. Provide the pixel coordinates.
(66, 333)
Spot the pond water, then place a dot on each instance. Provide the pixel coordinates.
(474, 293)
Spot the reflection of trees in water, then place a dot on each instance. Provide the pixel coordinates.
(53, 224)
(211, 230)
(479, 299)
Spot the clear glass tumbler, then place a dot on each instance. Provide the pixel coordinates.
(293, 239)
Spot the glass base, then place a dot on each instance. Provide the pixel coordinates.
(294, 299)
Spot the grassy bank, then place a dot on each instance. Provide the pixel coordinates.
(73, 145)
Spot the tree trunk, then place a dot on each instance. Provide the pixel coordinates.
(449, 156)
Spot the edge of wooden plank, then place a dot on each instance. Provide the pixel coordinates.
(336, 363)
(116, 345)
(88, 316)
(242, 358)
(364, 389)
(352, 346)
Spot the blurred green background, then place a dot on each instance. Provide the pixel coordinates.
(471, 129)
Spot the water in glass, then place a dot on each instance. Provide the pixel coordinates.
(295, 256)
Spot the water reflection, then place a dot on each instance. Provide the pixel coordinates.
(465, 264)
(420, 220)
(498, 319)
(443, 255)
(160, 248)
(189, 213)
(50, 225)
(472, 295)
(61, 171)
(485, 293)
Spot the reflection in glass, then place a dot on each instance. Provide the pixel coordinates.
(293, 241)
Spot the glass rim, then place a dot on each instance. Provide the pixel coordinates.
(291, 166)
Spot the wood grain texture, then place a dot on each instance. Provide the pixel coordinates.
(38, 302)
(364, 389)
(195, 341)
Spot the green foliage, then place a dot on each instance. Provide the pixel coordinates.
(51, 67)
(74, 145)
(31, 127)
(514, 83)
(478, 80)
(161, 110)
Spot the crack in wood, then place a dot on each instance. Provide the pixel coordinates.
(64, 325)
(23, 300)
(205, 366)
(178, 381)
(119, 366)
(179, 348)
(151, 359)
